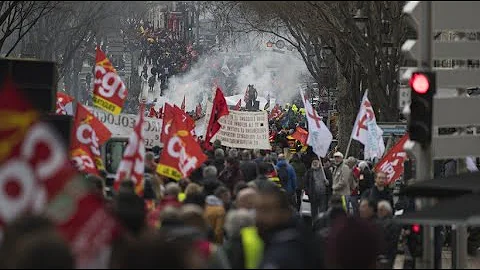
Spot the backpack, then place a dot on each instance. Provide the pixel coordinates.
(282, 173)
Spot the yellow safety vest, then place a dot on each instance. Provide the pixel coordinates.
(252, 247)
(181, 196)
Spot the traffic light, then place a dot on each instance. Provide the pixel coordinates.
(414, 240)
(422, 85)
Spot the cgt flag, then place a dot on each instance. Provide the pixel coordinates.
(109, 92)
(392, 162)
(182, 154)
(88, 134)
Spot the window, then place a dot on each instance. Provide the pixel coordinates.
(113, 154)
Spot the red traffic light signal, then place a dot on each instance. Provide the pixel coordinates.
(420, 83)
(416, 228)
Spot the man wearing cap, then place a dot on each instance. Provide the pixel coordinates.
(341, 176)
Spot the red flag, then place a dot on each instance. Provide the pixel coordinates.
(181, 154)
(301, 135)
(36, 175)
(198, 110)
(392, 163)
(275, 112)
(238, 105)
(64, 104)
(219, 109)
(88, 134)
(154, 114)
(109, 92)
(183, 104)
(168, 116)
(34, 166)
(132, 165)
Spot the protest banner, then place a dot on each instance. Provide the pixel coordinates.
(122, 125)
(244, 130)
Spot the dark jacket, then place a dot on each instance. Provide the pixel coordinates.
(314, 188)
(391, 232)
(249, 170)
(219, 163)
(377, 195)
(290, 246)
(300, 170)
(230, 177)
(367, 182)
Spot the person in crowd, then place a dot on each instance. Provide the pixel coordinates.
(233, 153)
(352, 198)
(300, 171)
(325, 220)
(328, 169)
(316, 188)
(366, 179)
(391, 231)
(246, 199)
(379, 191)
(223, 193)
(215, 213)
(192, 189)
(241, 235)
(341, 177)
(180, 248)
(23, 227)
(238, 187)
(183, 183)
(368, 209)
(232, 174)
(193, 215)
(210, 177)
(170, 199)
(260, 155)
(353, 243)
(288, 178)
(219, 160)
(265, 171)
(247, 166)
(287, 243)
(130, 212)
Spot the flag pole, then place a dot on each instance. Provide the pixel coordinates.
(348, 147)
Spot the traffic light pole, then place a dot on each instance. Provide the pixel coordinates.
(424, 159)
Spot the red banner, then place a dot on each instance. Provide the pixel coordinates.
(181, 154)
(301, 135)
(88, 134)
(64, 104)
(275, 112)
(392, 162)
(109, 92)
(132, 165)
(154, 114)
(168, 116)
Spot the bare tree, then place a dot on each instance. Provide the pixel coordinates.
(365, 57)
(17, 18)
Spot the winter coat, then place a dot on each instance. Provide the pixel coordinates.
(230, 177)
(215, 216)
(342, 177)
(300, 171)
(377, 195)
(292, 177)
(315, 187)
(249, 170)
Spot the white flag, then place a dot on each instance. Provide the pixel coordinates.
(367, 131)
(319, 137)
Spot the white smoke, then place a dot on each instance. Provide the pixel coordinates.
(270, 72)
